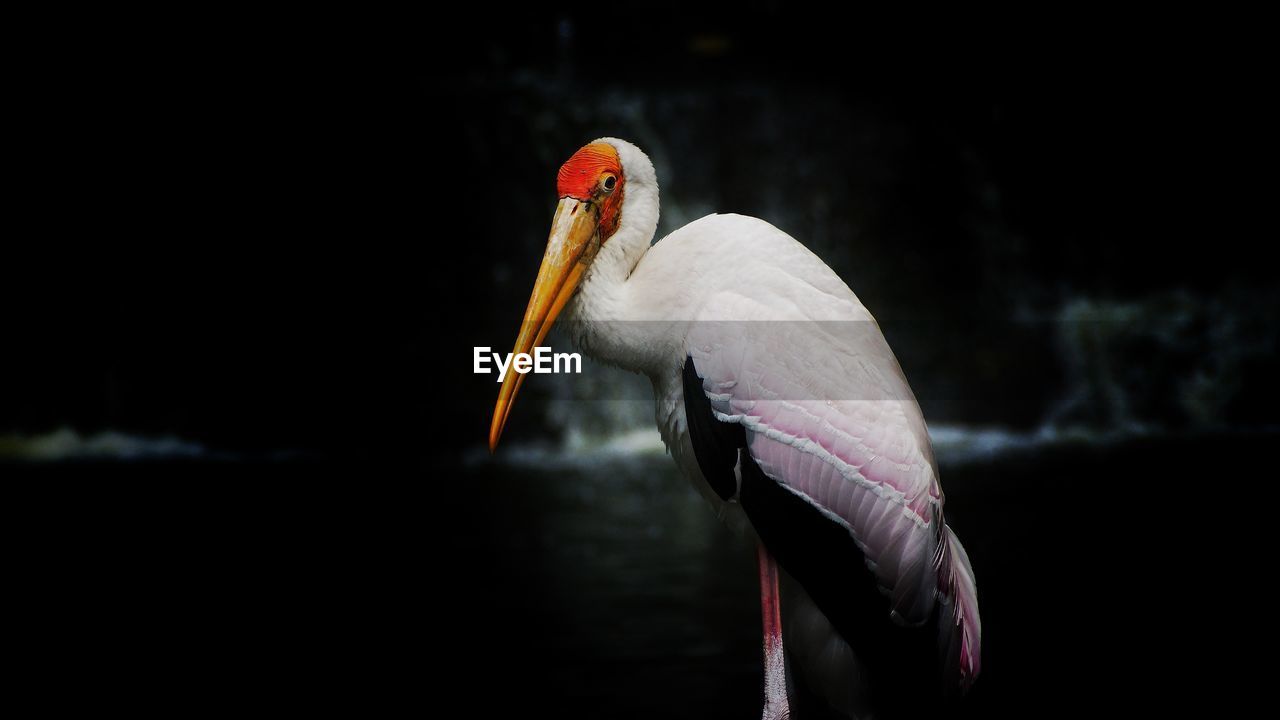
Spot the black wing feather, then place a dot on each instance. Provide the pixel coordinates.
(715, 443)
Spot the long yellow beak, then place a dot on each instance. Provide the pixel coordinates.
(572, 246)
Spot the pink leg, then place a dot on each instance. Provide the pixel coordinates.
(776, 706)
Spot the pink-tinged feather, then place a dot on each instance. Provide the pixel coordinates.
(862, 512)
(962, 635)
(843, 492)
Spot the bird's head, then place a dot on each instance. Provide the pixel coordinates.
(592, 185)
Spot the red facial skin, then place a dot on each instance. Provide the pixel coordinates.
(582, 178)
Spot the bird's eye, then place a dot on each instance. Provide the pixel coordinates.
(608, 183)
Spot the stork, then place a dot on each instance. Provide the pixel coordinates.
(779, 398)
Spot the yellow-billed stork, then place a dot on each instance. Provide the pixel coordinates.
(779, 397)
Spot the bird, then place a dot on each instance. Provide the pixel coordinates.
(779, 398)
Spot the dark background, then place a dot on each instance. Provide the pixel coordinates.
(279, 244)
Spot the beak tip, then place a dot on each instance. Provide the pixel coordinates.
(495, 433)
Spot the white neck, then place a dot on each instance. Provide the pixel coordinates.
(600, 318)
